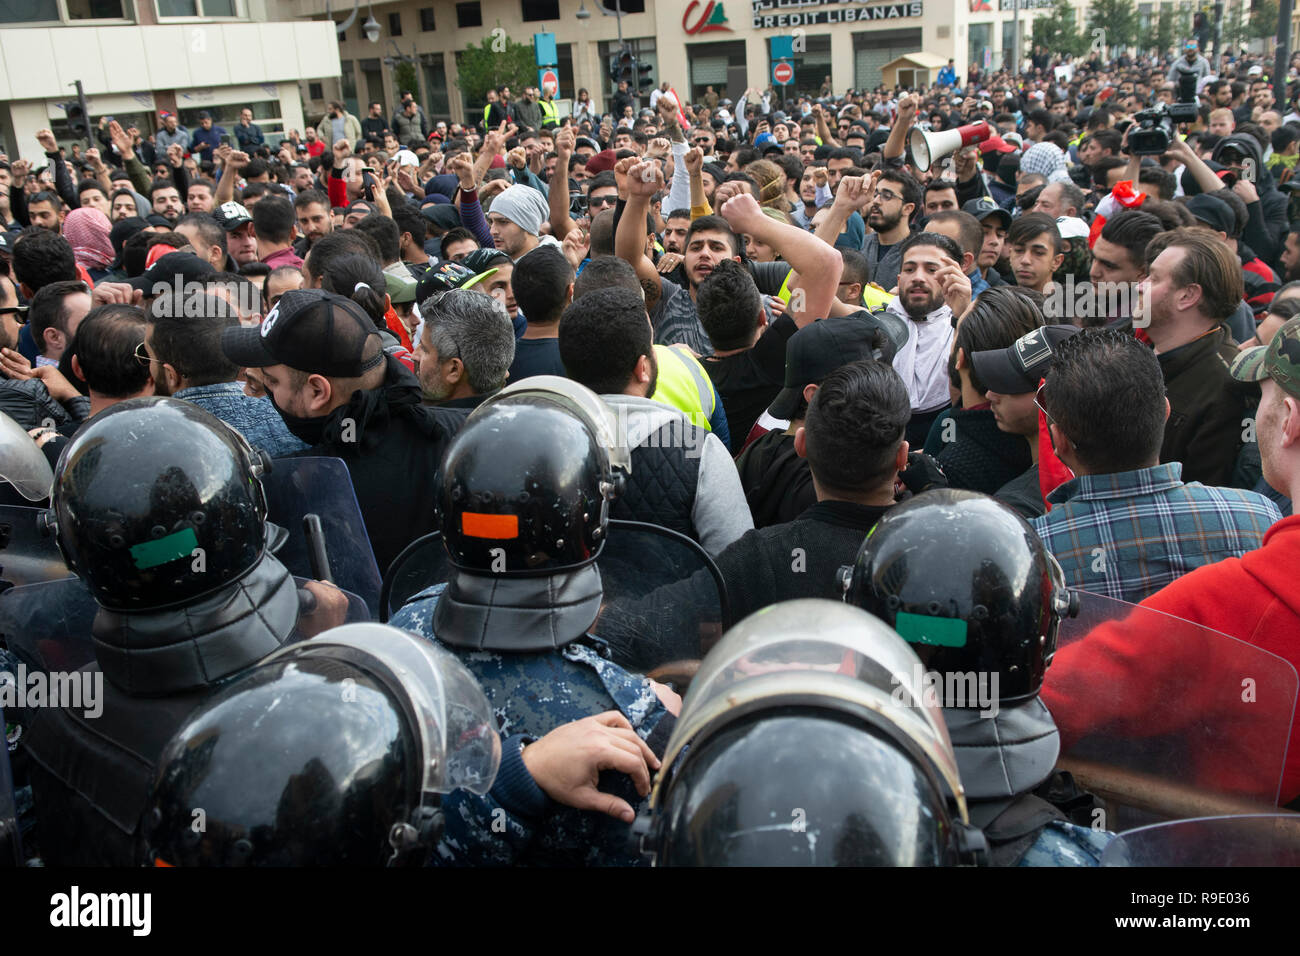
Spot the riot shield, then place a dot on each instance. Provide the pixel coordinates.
(22, 463)
(297, 487)
(664, 598)
(1266, 839)
(48, 625)
(1165, 719)
(11, 844)
(27, 555)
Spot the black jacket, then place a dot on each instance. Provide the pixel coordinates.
(798, 559)
(978, 456)
(1207, 410)
(778, 483)
(392, 446)
(29, 403)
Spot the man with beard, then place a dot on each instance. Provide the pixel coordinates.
(889, 206)
(324, 367)
(465, 348)
(186, 362)
(932, 290)
(1291, 254)
(1193, 285)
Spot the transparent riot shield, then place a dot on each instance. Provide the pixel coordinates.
(1165, 719)
(664, 598)
(27, 555)
(22, 463)
(48, 626)
(1251, 840)
(297, 487)
(11, 844)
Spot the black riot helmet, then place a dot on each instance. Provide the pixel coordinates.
(525, 484)
(805, 740)
(968, 583)
(158, 503)
(335, 751)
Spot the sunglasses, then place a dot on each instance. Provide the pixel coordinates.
(1038, 403)
(143, 356)
(599, 202)
(19, 312)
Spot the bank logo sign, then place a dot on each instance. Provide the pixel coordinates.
(806, 13)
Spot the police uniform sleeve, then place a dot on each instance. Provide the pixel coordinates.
(495, 829)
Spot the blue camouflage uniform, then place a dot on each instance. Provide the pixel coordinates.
(1067, 844)
(531, 694)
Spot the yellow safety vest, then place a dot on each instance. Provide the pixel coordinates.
(549, 115)
(873, 297)
(684, 384)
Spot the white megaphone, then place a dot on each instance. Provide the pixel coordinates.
(928, 147)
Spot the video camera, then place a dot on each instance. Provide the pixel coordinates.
(1153, 129)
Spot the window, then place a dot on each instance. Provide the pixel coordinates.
(395, 24)
(28, 11)
(191, 8)
(95, 10)
(627, 6)
(426, 20)
(469, 15)
(315, 91)
(541, 10)
(435, 84)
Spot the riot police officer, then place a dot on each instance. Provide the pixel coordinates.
(805, 741)
(970, 586)
(522, 532)
(159, 511)
(248, 780)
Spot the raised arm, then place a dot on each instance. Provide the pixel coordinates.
(557, 197)
(816, 265)
(644, 179)
(896, 145)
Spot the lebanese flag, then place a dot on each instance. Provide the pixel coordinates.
(1122, 197)
(1052, 472)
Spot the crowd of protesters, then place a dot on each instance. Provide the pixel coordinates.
(1105, 341)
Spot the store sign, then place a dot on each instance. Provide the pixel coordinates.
(806, 13)
(704, 18)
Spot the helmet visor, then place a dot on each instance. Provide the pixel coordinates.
(459, 745)
(22, 463)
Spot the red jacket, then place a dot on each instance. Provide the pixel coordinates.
(1127, 681)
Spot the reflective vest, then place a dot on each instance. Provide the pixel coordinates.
(549, 114)
(684, 384)
(486, 109)
(873, 296)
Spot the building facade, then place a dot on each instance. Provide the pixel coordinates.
(137, 57)
(693, 44)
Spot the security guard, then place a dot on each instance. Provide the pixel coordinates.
(985, 627)
(685, 385)
(522, 532)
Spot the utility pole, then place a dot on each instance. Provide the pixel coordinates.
(1282, 56)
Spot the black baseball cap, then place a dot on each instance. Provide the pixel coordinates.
(815, 351)
(311, 330)
(171, 270)
(1214, 213)
(984, 207)
(232, 215)
(1019, 368)
(446, 276)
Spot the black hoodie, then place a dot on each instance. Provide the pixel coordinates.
(1273, 204)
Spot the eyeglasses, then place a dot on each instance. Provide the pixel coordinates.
(142, 356)
(19, 312)
(887, 196)
(599, 202)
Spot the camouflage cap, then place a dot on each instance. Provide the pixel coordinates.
(1279, 360)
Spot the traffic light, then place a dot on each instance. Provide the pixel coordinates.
(620, 66)
(77, 123)
(645, 81)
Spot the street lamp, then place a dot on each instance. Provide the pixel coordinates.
(583, 13)
(371, 26)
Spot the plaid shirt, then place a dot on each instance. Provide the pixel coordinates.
(1129, 534)
(255, 418)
